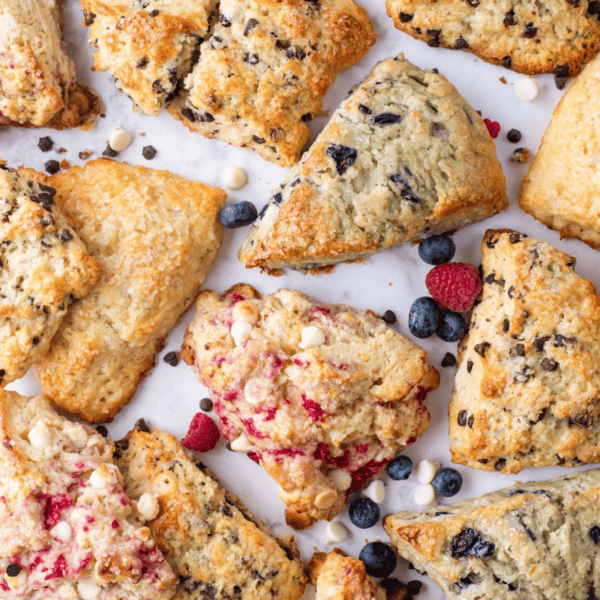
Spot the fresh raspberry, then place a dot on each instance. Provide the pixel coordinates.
(454, 285)
(203, 434)
(492, 127)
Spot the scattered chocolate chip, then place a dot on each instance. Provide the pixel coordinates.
(110, 152)
(189, 114)
(88, 18)
(141, 425)
(224, 20)
(120, 447)
(593, 7)
(148, 152)
(514, 136)
(434, 38)
(171, 358)
(561, 340)
(13, 570)
(507, 62)
(250, 25)
(157, 87)
(306, 117)
(154, 13)
(530, 31)
(65, 235)
(258, 140)
(506, 325)
(491, 241)
(515, 237)
(251, 59)
(462, 418)
(520, 350)
(469, 366)
(499, 464)
(206, 404)
(414, 587)
(45, 144)
(102, 431)
(204, 117)
(405, 17)
(449, 360)
(52, 167)
(365, 109)
(538, 342)
(461, 43)
(510, 291)
(471, 421)
(343, 156)
(482, 348)
(549, 365)
(389, 317)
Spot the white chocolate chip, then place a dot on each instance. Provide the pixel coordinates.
(40, 436)
(527, 89)
(119, 139)
(18, 582)
(78, 435)
(312, 336)
(148, 506)
(240, 330)
(88, 591)
(375, 491)
(341, 479)
(289, 497)
(326, 499)
(234, 178)
(242, 444)
(426, 471)
(245, 311)
(336, 532)
(104, 476)
(62, 531)
(425, 494)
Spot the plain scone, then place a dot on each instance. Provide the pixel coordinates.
(340, 577)
(38, 85)
(44, 267)
(147, 46)
(562, 187)
(65, 517)
(322, 416)
(550, 36)
(216, 548)
(526, 389)
(531, 541)
(155, 236)
(404, 156)
(265, 69)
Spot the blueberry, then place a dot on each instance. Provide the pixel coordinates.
(380, 560)
(238, 215)
(447, 482)
(400, 468)
(423, 317)
(437, 249)
(364, 513)
(451, 326)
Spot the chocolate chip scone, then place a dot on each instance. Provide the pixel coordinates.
(561, 188)
(67, 526)
(216, 548)
(403, 156)
(533, 540)
(265, 69)
(148, 45)
(44, 267)
(340, 577)
(38, 85)
(526, 389)
(155, 236)
(551, 36)
(321, 395)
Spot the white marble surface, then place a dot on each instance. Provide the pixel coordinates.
(391, 280)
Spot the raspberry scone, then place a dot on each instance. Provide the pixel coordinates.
(533, 540)
(526, 389)
(403, 156)
(216, 548)
(148, 46)
(265, 69)
(155, 236)
(562, 187)
(67, 526)
(550, 36)
(340, 577)
(38, 85)
(321, 395)
(44, 267)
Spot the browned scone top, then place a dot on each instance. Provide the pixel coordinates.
(526, 388)
(264, 70)
(214, 545)
(155, 235)
(562, 187)
(550, 36)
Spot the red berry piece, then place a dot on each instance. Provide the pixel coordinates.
(203, 434)
(492, 127)
(454, 285)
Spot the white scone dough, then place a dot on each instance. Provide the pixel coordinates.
(214, 545)
(402, 157)
(155, 236)
(529, 541)
(38, 86)
(147, 46)
(562, 187)
(65, 517)
(526, 388)
(44, 267)
(349, 403)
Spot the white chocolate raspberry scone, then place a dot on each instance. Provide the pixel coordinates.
(66, 524)
(321, 395)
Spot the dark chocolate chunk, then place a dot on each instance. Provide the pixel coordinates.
(530, 31)
(102, 430)
(306, 117)
(405, 17)
(461, 43)
(343, 156)
(520, 350)
(471, 421)
(513, 136)
(507, 62)
(505, 325)
(515, 237)
(171, 358)
(120, 447)
(52, 167)
(524, 375)
(250, 25)
(189, 114)
(462, 418)
(540, 341)
(258, 140)
(389, 317)
(449, 360)
(45, 143)
(148, 152)
(434, 38)
(561, 340)
(549, 365)
(482, 348)
(204, 117)
(491, 241)
(509, 18)
(499, 464)
(414, 587)
(141, 425)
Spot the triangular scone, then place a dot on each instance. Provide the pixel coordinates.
(526, 389)
(65, 517)
(550, 36)
(44, 267)
(321, 395)
(562, 188)
(155, 235)
(38, 85)
(147, 46)
(534, 540)
(403, 156)
(265, 69)
(216, 548)
(340, 577)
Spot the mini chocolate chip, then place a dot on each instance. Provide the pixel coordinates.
(507, 62)
(120, 447)
(595, 534)
(469, 366)
(520, 350)
(13, 570)
(250, 25)
(251, 59)
(65, 235)
(171, 358)
(148, 152)
(417, 30)
(471, 421)
(506, 325)
(434, 38)
(102, 431)
(258, 140)
(405, 17)
(141, 425)
(481, 348)
(52, 167)
(365, 109)
(154, 13)
(499, 464)
(462, 418)
(530, 31)
(491, 278)
(88, 18)
(509, 18)
(224, 20)
(189, 114)
(45, 144)
(461, 44)
(389, 317)
(206, 404)
(110, 152)
(513, 136)
(539, 342)
(449, 360)
(549, 365)
(491, 241)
